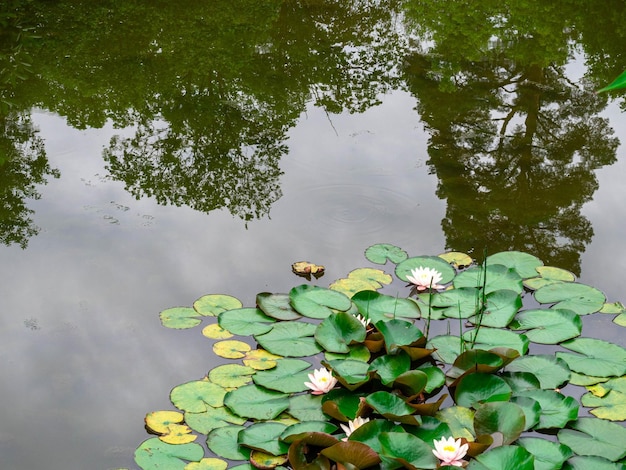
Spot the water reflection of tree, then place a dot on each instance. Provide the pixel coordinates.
(23, 162)
(513, 141)
(211, 87)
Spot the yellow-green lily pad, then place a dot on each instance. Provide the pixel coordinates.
(178, 434)
(154, 453)
(197, 396)
(213, 304)
(231, 349)
(214, 331)
(231, 375)
(457, 259)
(266, 461)
(160, 421)
(260, 359)
(180, 318)
(212, 418)
(208, 463)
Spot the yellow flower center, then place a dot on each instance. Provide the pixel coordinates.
(323, 379)
(449, 448)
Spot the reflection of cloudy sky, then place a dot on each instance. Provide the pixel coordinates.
(84, 353)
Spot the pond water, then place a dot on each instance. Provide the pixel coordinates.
(153, 153)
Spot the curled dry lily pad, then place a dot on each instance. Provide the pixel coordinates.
(154, 454)
(382, 252)
(213, 304)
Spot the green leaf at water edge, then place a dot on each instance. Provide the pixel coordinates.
(611, 406)
(317, 302)
(447, 347)
(374, 278)
(245, 321)
(593, 436)
(408, 450)
(592, 463)
(548, 326)
(341, 404)
(392, 407)
(231, 375)
(551, 371)
(498, 278)
(548, 455)
(433, 262)
(522, 263)
(579, 298)
(376, 306)
(288, 376)
(503, 417)
(596, 357)
(153, 454)
(503, 458)
(462, 302)
(252, 401)
(264, 437)
(531, 409)
(180, 318)
(290, 339)
(349, 372)
(488, 338)
(556, 409)
(276, 306)
(223, 442)
(214, 304)
(501, 307)
(619, 82)
(474, 389)
(382, 252)
(196, 395)
(212, 418)
(338, 331)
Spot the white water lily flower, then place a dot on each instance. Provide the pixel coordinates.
(352, 425)
(449, 451)
(425, 278)
(321, 381)
(364, 321)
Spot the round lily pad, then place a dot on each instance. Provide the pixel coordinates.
(276, 306)
(524, 264)
(595, 357)
(178, 434)
(264, 437)
(382, 252)
(212, 418)
(288, 376)
(252, 401)
(155, 454)
(223, 442)
(597, 437)
(317, 302)
(260, 359)
(231, 349)
(160, 421)
(180, 318)
(290, 339)
(498, 277)
(434, 262)
(208, 463)
(548, 326)
(214, 331)
(579, 298)
(551, 371)
(197, 396)
(231, 375)
(338, 331)
(456, 259)
(245, 321)
(214, 304)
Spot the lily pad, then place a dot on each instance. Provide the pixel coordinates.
(474, 389)
(556, 409)
(398, 333)
(214, 331)
(591, 463)
(548, 455)
(596, 357)
(389, 366)
(212, 418)
(501, 307)
(380, 307)
(549, 275)
(155, 454)
(503, 417)
(231, 349)
(245, 321)
(317, 302)
(548, 326)
(357, 352)
(260, 359)
(608, 399)
(231, 375)
(276, 306)
(392, 407)
(264, 437)
(160, 421)
(456, 303)
(197, 396)
(180, 318)
(178, 434)
(264, 461)
(503, 458)
(290, 339)
(352, 454)
(305, 427)
(551, 371)
(456, 259)
(434, 262)
(376, 278)
(223, 442)
(447, 347)
(579, 298)
(408, 449)
(498, 277)
(382, 252)
(288, 376)
(459, 419)
(524, 264)
(214, 304)
(593, 436)
(338, 331)
(207, 464)
(252, 401)
(488, 338)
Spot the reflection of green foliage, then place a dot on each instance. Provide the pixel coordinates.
(513, 141)
(396, 392)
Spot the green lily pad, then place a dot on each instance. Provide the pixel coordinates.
(433, 262)
(380, 307)
(245, 321)
(180, 318)
(392, 407)
(389, 366)
(212, 418)
(358, 352)
(398, 333)
(556, 410)
(597, 357)
(307, 407)
(519, 381)
(463, 302)
(213, 304)
(264, 437)
(608, 399)
(208, 463)
(593, 436)
(382, 252)
(435, 378)
(317, 302)
(447, 347)
(613, 308)
(524, 264)
(276, 306)
(501, 307)
(260, 359)
(498, 277)
(349, 372)
(431, 429)
(548, 455)
(591, 463)
(503, 417)
(252, 401)
(375, 278)
(155, 454)
(620, 319)
(488, 338)
(551, 371)
(579, 298)
(459, 419)
(231, 375)
(288, 376)
(503, 458)
(548, 326)
(290, 339)
(223, 442)
(338, 331)
(585, 380)
(474, 389)
(305, 427)
(197, 396)
(474, 360)
(549, 275)
(408, 449)
(531, 409)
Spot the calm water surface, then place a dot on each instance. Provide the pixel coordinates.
(251, 137)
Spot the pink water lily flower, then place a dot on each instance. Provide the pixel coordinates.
(352, 425)
(425, 278)
(449, 451)
(321, 381)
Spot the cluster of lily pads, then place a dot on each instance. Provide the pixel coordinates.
(443, 376)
